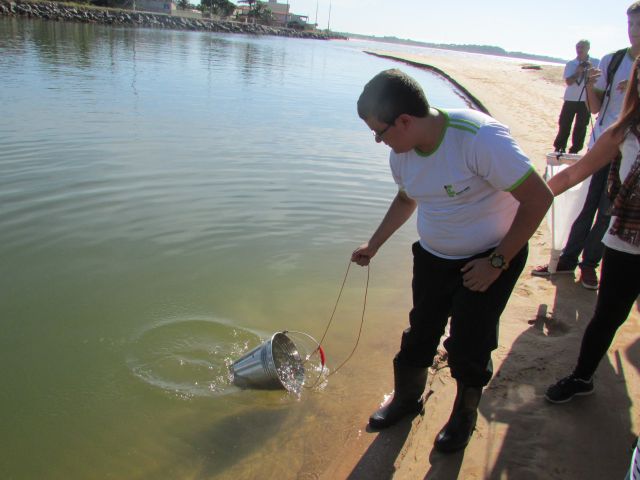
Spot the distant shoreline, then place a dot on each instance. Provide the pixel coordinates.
(481, 49)
(58, 11)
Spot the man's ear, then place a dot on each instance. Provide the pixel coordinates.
(404, 120)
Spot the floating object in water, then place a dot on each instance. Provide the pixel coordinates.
(275, 364)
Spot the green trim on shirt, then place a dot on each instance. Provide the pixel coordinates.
(465, 125)
(521, 181)
(458, 123)
(444, 132)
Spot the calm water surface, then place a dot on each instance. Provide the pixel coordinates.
(167, 200)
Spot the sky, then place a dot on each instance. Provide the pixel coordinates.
(543, 27)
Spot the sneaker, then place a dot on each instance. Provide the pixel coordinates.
(543, 270)
(567, 388)
(589, 278)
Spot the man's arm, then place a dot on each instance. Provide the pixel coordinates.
(398, 213)
(575, 76)
(594, 95)
(534, 198)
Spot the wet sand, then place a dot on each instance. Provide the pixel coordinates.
(519, 435)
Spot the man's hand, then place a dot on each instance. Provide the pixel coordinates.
(478, 274)
(592, 76)
(622, 86)
(363, 254)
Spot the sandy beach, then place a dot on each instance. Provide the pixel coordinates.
(519, 435)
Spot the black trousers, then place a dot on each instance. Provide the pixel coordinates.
(438, 294)
(619, 288)
(571, 110)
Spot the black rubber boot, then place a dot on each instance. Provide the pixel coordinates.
(455, 435)
(409, 383)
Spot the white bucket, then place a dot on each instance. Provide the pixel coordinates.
(275, 364)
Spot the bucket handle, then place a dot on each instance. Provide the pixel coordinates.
(318, 349)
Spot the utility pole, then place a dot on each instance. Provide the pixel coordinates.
(316, 13)
(329, 21)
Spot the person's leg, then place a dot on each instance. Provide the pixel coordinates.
(433, 284)
(583, 222)
(619, 288)
(564, 127)
(580, 127)
(427, 319)
(473, 336)
(593, 246)
(474, 325)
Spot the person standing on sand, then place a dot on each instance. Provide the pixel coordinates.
(606, 87)
(479, 200)
(575, 101)
(618, 146)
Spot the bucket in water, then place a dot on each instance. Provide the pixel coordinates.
(275, 364)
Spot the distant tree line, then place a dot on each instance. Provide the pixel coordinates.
(223, 8)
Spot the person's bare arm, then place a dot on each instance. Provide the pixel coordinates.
(571, 79)
(594, 96)
(534, 199)
(400, 210)
(603, 152)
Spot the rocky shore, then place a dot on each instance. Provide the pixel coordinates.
(75, 13)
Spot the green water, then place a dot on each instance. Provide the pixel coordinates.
(167, 201)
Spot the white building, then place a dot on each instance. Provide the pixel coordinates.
(156, 6)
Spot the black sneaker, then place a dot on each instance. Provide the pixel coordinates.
(567, 388)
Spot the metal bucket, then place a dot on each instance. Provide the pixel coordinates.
(273, 365)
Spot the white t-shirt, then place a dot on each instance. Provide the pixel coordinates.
(617, 97)
(576, 92)
(462, 188)
(629, 150)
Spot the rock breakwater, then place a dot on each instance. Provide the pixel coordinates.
(74, 13)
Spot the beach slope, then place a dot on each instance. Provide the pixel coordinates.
(519, 435)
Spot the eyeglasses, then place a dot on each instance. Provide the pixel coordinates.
(378, 136)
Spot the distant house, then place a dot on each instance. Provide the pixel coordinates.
(280, 13)
(156, 6)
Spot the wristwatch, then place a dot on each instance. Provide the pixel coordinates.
(497, 261)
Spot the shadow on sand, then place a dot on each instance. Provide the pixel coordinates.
(540, 436)
(379, 459)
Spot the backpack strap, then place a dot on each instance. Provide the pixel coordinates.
(612, 68)
(615, 62)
